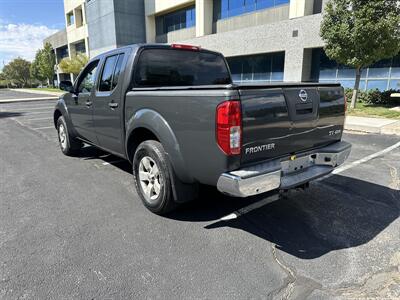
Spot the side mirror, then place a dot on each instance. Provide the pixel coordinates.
(66, 86)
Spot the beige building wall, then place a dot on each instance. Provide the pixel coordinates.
(77, 31)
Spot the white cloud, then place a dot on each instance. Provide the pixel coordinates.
(21, 40)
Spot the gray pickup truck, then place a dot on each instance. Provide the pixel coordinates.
(175, 114)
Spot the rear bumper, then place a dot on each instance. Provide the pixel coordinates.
(284, 173)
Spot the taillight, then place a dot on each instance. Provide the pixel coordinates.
(229, 127)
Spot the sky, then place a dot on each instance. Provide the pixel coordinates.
(24, 24)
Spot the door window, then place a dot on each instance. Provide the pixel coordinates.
(106, 77)
(117, 71)
(87, 79)
(111, 72)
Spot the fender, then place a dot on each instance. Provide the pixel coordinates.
(62, 107)
(153, 121)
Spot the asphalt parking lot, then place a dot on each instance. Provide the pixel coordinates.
(74, 228)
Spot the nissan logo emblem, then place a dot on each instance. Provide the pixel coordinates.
(303, 96)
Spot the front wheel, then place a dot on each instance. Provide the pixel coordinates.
(151, 173)
(68, 146)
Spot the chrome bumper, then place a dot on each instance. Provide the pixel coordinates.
(284, 173)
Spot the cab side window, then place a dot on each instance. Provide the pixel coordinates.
(106, 77)
(111, 72)
(117, 71)
(87, 79)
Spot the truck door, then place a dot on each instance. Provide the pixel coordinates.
(81, 108)
(108, 105)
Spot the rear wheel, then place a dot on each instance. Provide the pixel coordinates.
(151, 172)
(68, 146)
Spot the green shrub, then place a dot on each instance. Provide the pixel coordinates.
(375, 97)
(372, 97)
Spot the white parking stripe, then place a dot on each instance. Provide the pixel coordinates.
(341, 169)
(112, 162)
(249, 208)
(364, 160)
(40, 128)
(39, 119)
(2, 107)
(38, 112)
(32, 108)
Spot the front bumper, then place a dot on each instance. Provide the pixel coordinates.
(284, 173)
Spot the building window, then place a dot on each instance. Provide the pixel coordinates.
(262, 67)
(70, 19)
(63, 52)
(382, 75)
(229, 8)
(80, 48)
(180, 19)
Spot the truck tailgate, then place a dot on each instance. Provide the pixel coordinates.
(281, 121)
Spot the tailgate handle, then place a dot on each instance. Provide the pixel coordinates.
(304, 109)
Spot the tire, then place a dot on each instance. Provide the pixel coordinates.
(152, 176)
(67, 144)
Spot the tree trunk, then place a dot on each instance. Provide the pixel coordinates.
(356, 88)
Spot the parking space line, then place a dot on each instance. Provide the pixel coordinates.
(20, 107)
(39, 112)
(249, 208)
(40, 128)
(364, 160)
(112, 162)
(341, 169)
(36, 119)
(32, 108)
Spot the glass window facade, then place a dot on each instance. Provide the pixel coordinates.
(62, 52)
(80, 47)
(176, 20)
(229, 8)
(382, 75)
(257, 68)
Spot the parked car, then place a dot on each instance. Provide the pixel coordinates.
(175, 114)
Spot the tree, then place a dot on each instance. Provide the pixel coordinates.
(18, 72)
(75, 64)
(42, 67)
(3, 80)
(359, 33)
(35, 71)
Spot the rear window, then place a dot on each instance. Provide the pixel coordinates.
(169, 67)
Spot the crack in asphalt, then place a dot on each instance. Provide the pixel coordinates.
(287, 288)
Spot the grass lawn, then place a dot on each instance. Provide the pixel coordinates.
(374, 111)
(47, 89)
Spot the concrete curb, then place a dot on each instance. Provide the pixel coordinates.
(38, 92)
(372, 125)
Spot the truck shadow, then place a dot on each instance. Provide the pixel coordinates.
(338, 213)
(8, 114)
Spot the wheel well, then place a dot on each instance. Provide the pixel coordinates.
(136, 137)
(57, 114)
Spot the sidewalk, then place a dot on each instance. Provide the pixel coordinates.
(38, 92)
(372, 125)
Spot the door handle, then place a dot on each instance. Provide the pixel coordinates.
(113, 105)
(89, 103)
